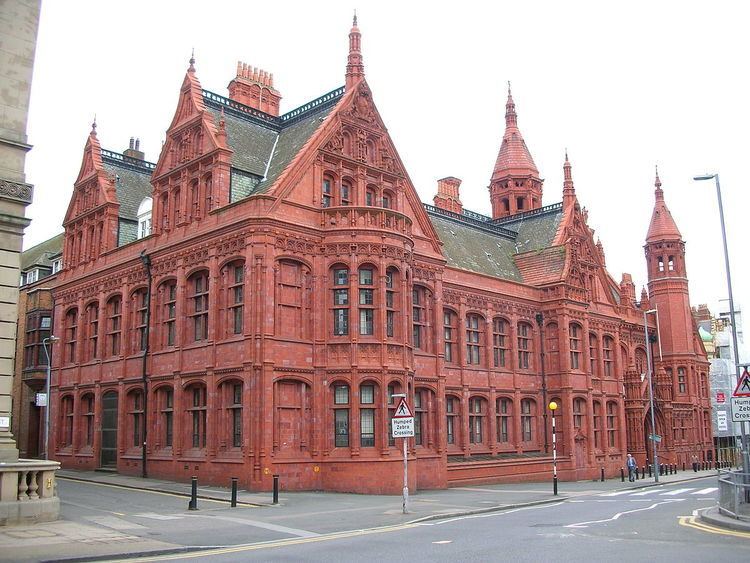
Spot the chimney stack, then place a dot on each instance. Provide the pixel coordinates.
(447, 195)
(253, 87)
(133, 151)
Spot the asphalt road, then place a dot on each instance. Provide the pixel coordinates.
(648, 524)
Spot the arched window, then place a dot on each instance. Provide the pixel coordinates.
(195, 200)
(230, 393)
(528, 414)
(389, 201)
(176, 216)
(500, 342)
(504, 414)
(371, 196)
(640, 361)
(198, 305)
(420, 318)
(477, 412)
(367, 415)
(670, 264)
(450, 335)
(681, 380)
(135, 418)
(87, 416)
(66, 421)
(452, 418)
(144, 217)
(165, 404)
(92, 331)
(579, 410)
(597, 425)
(524, 345)
(327, 189)
(593, 354)
(424, 400)
(552, 347)
(139, 315)
(114, 326)
(392, 284)
(164, 212)
(612, 424)
(575, 346)
(608, 356)
(71, 335)
(660, 261)
(292, 418)
(474, 339)
(208, 193)
(341, 415)
(367, 300)
(233, 276)
(168, 311)
(347, 193)
(196, 408)
(340, 300)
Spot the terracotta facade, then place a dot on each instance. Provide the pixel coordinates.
(291, 295)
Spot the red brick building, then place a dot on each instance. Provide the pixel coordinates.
(298, 282)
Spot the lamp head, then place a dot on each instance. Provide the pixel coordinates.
(704, 177)
(552, 406)
(52, 338)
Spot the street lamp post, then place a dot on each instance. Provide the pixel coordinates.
(405, 491)
(49, 339)
(655, 458)
(553, 408)
(715, 177)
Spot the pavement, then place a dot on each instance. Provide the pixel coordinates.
(329, 512)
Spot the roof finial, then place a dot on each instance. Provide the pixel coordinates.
(657, 182)
(355, 68)
(93, 126)
(354, 21)
(566, 154)
(191, 68)
(508, 87)
(511, 119)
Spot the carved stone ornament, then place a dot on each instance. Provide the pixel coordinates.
(13, 190)
(362, 106)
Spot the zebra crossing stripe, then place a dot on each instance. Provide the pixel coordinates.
(676, 492)
(705, 491)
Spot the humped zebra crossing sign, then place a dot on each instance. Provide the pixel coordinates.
(402, 423)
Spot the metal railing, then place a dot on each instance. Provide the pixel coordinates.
(734, 494)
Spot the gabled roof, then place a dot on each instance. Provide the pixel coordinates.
(43, 254)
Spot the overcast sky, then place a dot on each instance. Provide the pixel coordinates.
(623, 86)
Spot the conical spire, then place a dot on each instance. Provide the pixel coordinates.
(355, 68)
(662, 225)
(191, 68)
(514, 157)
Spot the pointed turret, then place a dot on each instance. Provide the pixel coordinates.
(662, 225)
(355, 68)
(515, 185)
(569, 190)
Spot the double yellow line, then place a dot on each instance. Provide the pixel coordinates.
(692, 522)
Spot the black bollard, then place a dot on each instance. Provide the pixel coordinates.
(683, 466)
(193, 504)
(554, 485)
(649, 471)
(637, 473)
(602, 474)
(276, 489)
(622, 474)
(234, 492)
(643, 472)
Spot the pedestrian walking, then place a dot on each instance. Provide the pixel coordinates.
(632, 468)
(695, 463)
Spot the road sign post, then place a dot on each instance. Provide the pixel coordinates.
(402, 426)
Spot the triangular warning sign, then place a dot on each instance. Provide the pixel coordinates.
(743, 385)
(403, 410)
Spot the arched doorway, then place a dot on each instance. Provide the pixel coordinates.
(109, 430)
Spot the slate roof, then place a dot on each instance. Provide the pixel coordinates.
(477, 243)
(255, 137)
(133, 181)
(42, 253)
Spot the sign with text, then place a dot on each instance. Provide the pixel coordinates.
(721, 421)
(41, 399)
(720, 397)
(740, 409)
(402, 427)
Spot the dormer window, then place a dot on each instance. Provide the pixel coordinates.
(32, 275)
(57, 265)
(144, 217)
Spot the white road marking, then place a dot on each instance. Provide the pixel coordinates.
(706, 491)
(617, 493)
(442, 542)
(676, 492)
(115, 523)
(643, 493)
(617, 516)
(488, 514)
(264, 525)
(155, 516)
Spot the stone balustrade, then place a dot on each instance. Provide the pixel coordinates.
(346, 217)
(28, 491)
